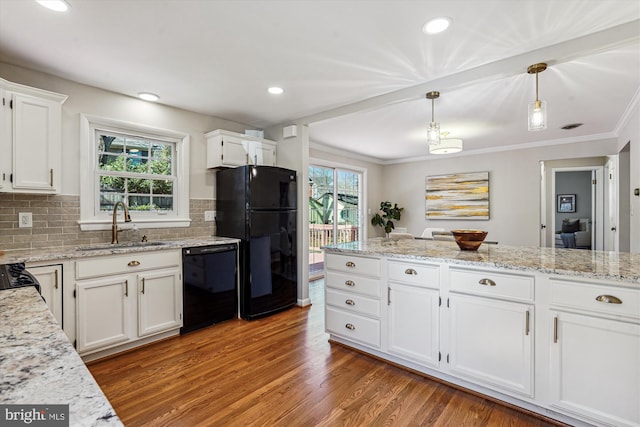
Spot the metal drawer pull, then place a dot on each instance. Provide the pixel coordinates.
(555, 329)
(350, 326)
(411, 271)
(609, 299)
(143, 285)
(487, 282)
(133, 263)
(56, 274)
(526, 328)
(126, 288)
(350, 264)
(350, 302)
(350, 283)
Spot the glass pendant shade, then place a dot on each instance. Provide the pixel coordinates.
(537, 115)
(446, 146)
(433, 134)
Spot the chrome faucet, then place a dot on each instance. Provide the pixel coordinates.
(114, 225)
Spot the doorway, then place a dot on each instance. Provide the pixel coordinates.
(335, 210)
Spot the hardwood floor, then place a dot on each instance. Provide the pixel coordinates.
(281, 371)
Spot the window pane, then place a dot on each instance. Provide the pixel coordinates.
(139, 203)
(162, 203)
(162, 186)
(111, 184)
(110, 144)
(137, 147)
(137, 164)
(108, 200)
(138, 186)
(110, 162)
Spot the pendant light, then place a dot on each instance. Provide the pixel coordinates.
(433, 133)
(537, 109)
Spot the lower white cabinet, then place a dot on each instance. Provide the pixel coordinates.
(413, 316)
(159, 301)
(595, 368)
(121, 299)
(492, 343)
(50, 279)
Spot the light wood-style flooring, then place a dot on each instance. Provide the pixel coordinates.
(281, 371)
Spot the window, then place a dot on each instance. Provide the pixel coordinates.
(144, 167)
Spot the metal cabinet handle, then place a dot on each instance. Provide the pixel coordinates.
(526, 323)
(350, 283)
(126, 288)
(133, 263)
(609, 299)
(56, 279)
(487, 282)
(143, 285)
(350, 264)
(411, 271)
(51, 178)
(350, 326)
(350, 302)
(555, 329)
(389, 295)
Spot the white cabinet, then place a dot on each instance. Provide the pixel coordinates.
(124, 298)
(50, 279)
(30, 140)
(230, 149)
(352, 298)
(491, 332)
(159, 301)
(595, 352)
(413, 312)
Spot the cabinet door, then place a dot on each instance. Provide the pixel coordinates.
(492, 342)
(159, 301)
(234, 151)
(595, 368)
(5, 142)
(50, 279)
(414, 323)
(36, 144)
(102, 308)
(262, 154)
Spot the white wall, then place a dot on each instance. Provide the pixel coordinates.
(514, 188)
(631, 133)
(91, 100)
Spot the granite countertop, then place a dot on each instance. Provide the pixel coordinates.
(38, 365)
(619, 266)
(84, 251)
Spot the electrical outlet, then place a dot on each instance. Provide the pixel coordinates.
(25, 220)
(209, 215)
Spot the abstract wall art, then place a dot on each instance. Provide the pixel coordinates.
(458, 196)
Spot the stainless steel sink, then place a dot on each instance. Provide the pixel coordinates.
(108, 246)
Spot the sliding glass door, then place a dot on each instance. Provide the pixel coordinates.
(335, 211)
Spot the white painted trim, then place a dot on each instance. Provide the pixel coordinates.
(627, 115)
(88, 187)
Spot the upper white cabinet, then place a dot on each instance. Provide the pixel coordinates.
(230, 149)
(30, 139)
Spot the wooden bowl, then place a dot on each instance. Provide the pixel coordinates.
(469, 240)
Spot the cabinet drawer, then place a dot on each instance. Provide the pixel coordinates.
(353, 302)
(510, 286)
(593, 297)
(416, 274)
(353, 264)
(135, 261)
(353, 326)
(353, 283)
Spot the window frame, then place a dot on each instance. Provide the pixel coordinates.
(90, 216)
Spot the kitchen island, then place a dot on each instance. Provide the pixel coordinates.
(38, 365)
(553, 331)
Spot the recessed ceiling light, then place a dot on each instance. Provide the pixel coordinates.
(275, 90)
(57, 5)
(436, 25)
(148, 96)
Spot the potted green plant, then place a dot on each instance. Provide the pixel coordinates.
(390, 213)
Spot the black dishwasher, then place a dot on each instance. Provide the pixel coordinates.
(210, 291)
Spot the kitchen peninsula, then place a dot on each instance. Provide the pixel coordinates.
(553, 331)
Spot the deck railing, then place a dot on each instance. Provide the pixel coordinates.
(322, 234)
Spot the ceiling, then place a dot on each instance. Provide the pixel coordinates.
(357, 71)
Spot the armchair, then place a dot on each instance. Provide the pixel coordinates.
(575, 233)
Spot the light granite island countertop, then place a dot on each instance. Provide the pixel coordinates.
(619, 266)
(38, 365)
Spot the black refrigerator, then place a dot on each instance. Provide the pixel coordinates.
(257, 204)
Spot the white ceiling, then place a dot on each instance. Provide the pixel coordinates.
(357, 70)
